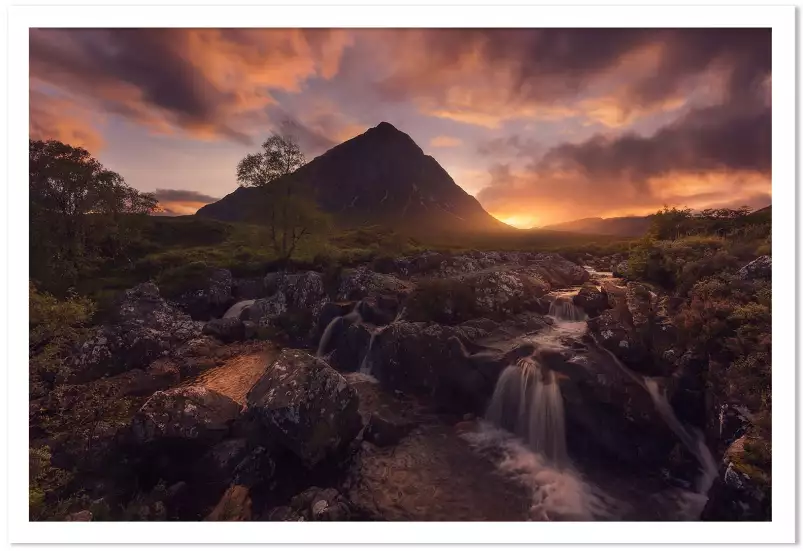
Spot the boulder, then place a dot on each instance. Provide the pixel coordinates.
(741, 492)
(225, 329)
(591, 299)
(620, 269)
(362, 282)
(558, 271)
(189, 414)
(316, 504)
(307, 405)
(248, 288)
(143, 328)
(210, 295)
(760, 268)
(431, 360)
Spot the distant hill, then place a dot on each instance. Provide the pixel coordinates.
(379, 177)
(626, 226)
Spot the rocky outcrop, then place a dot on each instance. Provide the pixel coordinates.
(210, 297)
(742, 491)
(592, 300)
(638, 329)
(192, 414)
(760, 268)
(431, 360)
(308, 406)
(362, 282)
(143, 328)
(226, 329)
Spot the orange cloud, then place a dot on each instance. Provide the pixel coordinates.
(445, 141)
(53, 118)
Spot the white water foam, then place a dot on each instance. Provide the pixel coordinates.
(557, 493)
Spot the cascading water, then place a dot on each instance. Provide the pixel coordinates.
(323, 344)
(237, 308)
(365, 364)
(527, 402)
(563, 308)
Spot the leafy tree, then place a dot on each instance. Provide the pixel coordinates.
(284, 204)
(78, 212)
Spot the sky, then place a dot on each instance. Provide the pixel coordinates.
(541, 125)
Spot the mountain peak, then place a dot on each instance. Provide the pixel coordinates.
(386, 126)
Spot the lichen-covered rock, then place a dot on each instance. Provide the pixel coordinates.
(558, 271)
(225, 329)
(613, 332)
(211, 297)
(192, 413)
(742, 491)
(620, 269)
(143, 328)
(316, 504)
(307, 405)
(363, 282)
(760, 268)
(248, 288)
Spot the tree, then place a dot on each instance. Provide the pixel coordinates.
(284, 203)
(77, 208)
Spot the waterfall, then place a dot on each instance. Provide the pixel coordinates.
(365, 365)
(527, 401)
(237, 309)
(695, 443)
(354, 315)
(563, 308)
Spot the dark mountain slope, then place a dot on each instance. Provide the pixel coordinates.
(626, 226)
(379, 177)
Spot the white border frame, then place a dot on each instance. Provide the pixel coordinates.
(780, 18)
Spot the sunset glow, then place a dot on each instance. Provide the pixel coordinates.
(540, 125)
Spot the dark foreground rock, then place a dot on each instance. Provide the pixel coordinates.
(142, 329)
(307, 405)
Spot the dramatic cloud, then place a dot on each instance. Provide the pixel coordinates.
(610, 76)
(542, 125)
(53, 118)
(176, 202)
(208, 82)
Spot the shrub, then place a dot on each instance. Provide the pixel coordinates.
(446, 301)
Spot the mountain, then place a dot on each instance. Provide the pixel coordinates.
(379, 177)
(625, 226)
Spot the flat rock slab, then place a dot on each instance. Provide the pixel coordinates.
(237, 374)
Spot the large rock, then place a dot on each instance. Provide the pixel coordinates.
(210, 297)
(741, 491)
(226, 329)
(143, 328)
(558, 271)
(362, 282)
(591, 299)
(235, 505)
(307, 405)
(431, 360)
(192, 414)
(760, 268)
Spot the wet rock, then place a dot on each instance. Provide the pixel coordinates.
(350, 342)
(225, 329)
(558, 271)
(760, 268)
(192, 413)
(431, 360)
(617, 335)
(620, 269)
(591, 299)
(307, 405)
(143, 328)
(235, 505)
